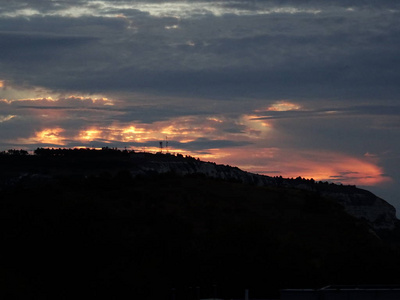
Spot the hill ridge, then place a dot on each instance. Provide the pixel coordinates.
(362, 204)
(115, 225)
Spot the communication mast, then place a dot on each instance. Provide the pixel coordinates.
(166, 144)
(161, 146)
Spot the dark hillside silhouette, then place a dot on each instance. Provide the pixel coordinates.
(107, 234)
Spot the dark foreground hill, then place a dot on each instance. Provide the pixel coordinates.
(110, 235)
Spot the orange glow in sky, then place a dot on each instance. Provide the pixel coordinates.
(89, 135)
(6, 118)
(133, 130)
(282, 106)
(134, 133)
(251, 152)
(344, 169)
(201, 76)
(253, 128)
(321, 166)
(50, 136)
(273, 161)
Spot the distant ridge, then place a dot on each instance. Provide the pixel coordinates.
(46, 162)
(109, 224)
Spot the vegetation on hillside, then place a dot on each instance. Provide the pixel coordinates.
(108, 235)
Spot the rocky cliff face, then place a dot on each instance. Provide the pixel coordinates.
(359, 203)
(365, 205)
(44, 166)
(208, 169)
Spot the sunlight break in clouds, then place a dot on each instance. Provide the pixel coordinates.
(283, 106)
(279, 106)
(89, 135)
(255, 128)
(180, 130)
(50, 136)
(6, 118)
(193, 135)
(269, 86)
(13, 93)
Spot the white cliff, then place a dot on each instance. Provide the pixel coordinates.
(359, 203)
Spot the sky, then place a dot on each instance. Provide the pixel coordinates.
(292, 88)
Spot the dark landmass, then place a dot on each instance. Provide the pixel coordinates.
(106, 224)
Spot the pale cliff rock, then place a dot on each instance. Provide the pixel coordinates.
(359, 203)
(362, 204)
(365, 205)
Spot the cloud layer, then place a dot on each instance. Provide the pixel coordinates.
(298, 88)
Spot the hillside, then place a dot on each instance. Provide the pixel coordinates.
(112, 226)
(47, 164)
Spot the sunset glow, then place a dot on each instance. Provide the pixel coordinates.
(256, 127)
(321, 166)
(283, 106)
(50, 136)
(273, 88)
(6, 118)
(183, 131)
(90, 135)
(132, 133)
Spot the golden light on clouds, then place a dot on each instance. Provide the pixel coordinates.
(133, 130)
(12, 93)
(135, 134)
(282, 106)
(244, 141)
(187, 128)
(89, 135)
(255, 122)
(215, 119)
(171, 131)
(92, 99)
(50, 136)
(6, 118)
(254, 127)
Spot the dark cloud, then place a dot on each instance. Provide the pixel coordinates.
(330, 112)
(210, 69)
(284, 55)
(26, 50)
(22, 127)
(151, 114)
(204, 144)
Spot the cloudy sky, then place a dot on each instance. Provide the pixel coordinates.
(292, 88)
